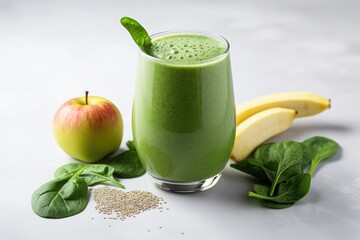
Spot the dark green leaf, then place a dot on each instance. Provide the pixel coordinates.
(285, 159)
(321, 148)
(282, 165)
(289, 191)
(92, 173)
(262, 189)
(306, 160)
(262, 152)
(60, 198)
(131, 145)
(260, 158)
(127, 165)
(252, 167)
(279, 160)
(99, 173)
(68, 170)
(138, 33)
(293, 189)
(271, 204)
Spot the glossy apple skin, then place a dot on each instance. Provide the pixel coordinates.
(88, 132)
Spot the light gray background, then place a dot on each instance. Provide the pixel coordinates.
(51, 51)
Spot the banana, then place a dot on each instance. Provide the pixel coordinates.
(305, 103)
(258, 128)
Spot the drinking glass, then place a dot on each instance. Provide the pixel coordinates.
(183, 120)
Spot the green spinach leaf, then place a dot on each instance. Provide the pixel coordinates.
(127, 165)
(280, 169)
(131, 145)
(321, 148)
(60, 198)
(262, 152)
(289, 191)
(285, 160)
(264, 191)
(275, 205)
(306, 156)
(92, 173)
(138, 33)
(253, 167)
(69, 170)
(99, 173)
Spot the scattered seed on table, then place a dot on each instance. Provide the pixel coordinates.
(125, 204)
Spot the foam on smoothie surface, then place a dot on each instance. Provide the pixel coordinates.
(186, 48)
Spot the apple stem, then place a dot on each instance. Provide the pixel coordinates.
(86, 97)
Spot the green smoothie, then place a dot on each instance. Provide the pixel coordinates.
(184, 110)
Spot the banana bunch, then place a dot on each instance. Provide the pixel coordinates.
(259, 119)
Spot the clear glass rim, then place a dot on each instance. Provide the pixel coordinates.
(191, 32)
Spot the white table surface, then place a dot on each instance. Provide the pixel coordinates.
(51, 51)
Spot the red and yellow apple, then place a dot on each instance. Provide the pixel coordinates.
(88, 128)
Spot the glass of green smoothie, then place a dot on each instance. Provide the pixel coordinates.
(184, 110)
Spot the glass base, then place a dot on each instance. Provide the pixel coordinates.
(186, 187)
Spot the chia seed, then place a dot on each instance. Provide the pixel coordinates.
(125, 204)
